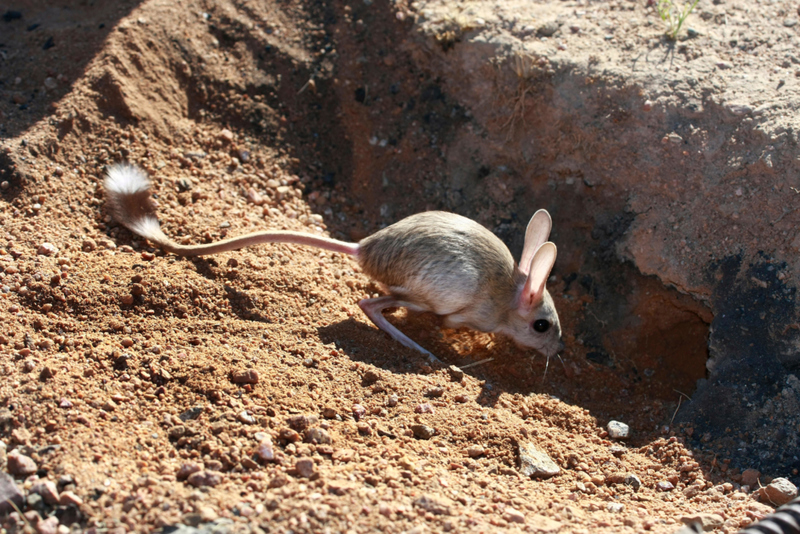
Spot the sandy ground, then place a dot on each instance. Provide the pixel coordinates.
(248, 389)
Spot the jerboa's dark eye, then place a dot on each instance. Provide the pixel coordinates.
(541, 325)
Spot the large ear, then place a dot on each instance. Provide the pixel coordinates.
(537, 233)
(539, 271)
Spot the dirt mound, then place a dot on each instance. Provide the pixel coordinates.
(247, 390)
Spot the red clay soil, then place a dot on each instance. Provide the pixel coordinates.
(126, 370)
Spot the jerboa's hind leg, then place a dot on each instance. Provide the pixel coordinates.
(373, 308)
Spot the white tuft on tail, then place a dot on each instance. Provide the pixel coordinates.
(148, 227)
(125, 179)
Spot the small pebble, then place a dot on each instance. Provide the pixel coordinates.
(301, 422)
(207, 514)
(265, 450)
(370, 377)
(434, 504)
(778, 492)
(535, 463)
(665, 485)
(245, 376)
(633, 481)
(423, 431)
(617, 430)
(46, 249)
(615, 507)
(204, 478)
(88, 245)
(358, 411)
(456, 374)
(435, 393)
(47, 526)
(245, 417)
(187, 469)
(512, 515)
(47, 490)
(287, 434)
(392, 401)
(191, 413)
(68, 498)
(473, 451)
(304, 467)
(750, 477)
(547, 29)
(20, 465)
(424, 408)
(254, 197)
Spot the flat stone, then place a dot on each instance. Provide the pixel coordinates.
(204, 478)
(191, 413)
(512, 515)
(535, 463)
(434, 504)
(706, 521)
(543, 524)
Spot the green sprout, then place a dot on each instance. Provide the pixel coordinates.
(673, 15)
